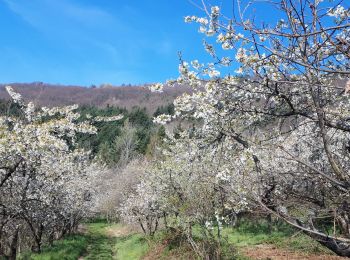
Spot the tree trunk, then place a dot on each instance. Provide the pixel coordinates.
(338, 247)
(13, 246)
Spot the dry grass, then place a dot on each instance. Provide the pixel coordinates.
(264, 252)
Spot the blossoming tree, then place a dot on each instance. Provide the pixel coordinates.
(45, 181)
(285, 116)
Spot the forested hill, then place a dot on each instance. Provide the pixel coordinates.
(105, 95)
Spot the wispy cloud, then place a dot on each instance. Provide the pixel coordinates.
(45, 14)
(117, 41)
(76, 25)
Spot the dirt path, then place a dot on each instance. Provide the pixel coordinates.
(263, 252)
(118, 231)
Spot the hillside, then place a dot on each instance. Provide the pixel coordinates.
(122, 96)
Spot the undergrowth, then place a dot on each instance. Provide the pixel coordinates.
(96, 244)
(250, 233)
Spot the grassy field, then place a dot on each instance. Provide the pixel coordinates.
(113, 241)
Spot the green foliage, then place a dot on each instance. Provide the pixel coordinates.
(168, 110)
(139, 117)
(105, 143)
(3, 107)
(107, 131)
(161, 132)
(143, 122)
(9, 108)
(105, 154)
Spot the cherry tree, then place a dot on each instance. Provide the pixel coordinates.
(45, 180)
(283, 111)
(189, 185)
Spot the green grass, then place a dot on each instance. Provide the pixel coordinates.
(69, 248)
(250, 233)
(96, 244)
(131, 247)
(100, 246)
(93, 245)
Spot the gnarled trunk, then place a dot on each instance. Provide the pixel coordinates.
(337, 246)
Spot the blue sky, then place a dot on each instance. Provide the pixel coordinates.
(88, 42)
(84, 42)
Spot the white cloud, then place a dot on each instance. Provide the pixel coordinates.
(73, 25)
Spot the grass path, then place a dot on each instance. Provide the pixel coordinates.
(115, 241)
(100, 246)
(95, 241)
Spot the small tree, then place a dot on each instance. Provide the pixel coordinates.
(125, 144)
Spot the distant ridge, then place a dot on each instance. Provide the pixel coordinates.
(50, 95)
